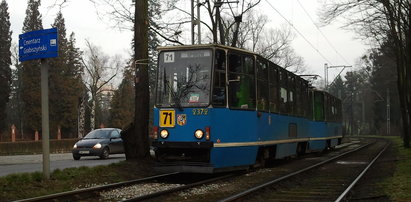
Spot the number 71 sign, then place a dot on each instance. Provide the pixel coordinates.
(167, 118)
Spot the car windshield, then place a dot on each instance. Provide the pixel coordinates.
(98, 134)
(184, 78)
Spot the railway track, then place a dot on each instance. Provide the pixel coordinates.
(177, 189)
(287, 183)
(93, 191)
(137, 190)
(329, 180)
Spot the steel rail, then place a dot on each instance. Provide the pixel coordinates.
(94, 189)
(180, 188)
(258, 187)
(349, 188)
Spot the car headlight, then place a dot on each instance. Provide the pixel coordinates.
(97, 146)
(199, 134)
(75, 146)
(164, 133)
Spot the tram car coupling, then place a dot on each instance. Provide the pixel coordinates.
(220, 108)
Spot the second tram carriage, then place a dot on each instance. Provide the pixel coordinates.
(220, 108)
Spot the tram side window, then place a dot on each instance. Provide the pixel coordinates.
(262, 85)
(310, 106)
(274, 89)
(291, 94)
(283, 77)
(331, 109)
(241, 81)
(318, 106)
(306, 108)
(334, 109)
(328, 108)
(298, 94)
(219, 85)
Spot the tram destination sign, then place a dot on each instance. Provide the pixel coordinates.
(38, 44)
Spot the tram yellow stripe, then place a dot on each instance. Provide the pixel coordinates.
(271, 142)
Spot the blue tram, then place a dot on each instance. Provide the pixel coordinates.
(220, 108)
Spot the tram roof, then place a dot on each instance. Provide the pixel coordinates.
(188, 47)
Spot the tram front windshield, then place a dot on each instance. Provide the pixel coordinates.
(184, 78)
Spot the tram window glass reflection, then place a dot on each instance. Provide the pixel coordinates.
(298, 95)
(318, 106)
(283, 78)
(241, 81)
(291, 92)
(219, 92)
(262, 85)
(184, 78)
(274, 88)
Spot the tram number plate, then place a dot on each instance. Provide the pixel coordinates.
(167, 118)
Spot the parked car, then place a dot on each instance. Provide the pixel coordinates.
(99, 142)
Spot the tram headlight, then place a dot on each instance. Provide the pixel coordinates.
(199, 134)
(164, 133)
(75, 146)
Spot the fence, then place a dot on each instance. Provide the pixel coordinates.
(35, 147)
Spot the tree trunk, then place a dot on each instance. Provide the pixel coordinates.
(394, 21)
(136, 137)
(93, 113)
(219, 23)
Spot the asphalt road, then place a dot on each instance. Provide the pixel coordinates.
(33, 163)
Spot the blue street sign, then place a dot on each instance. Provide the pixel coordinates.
(38, 44)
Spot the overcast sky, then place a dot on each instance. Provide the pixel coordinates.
(81, 18)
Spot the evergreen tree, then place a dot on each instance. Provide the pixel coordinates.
(5, 61)
(65, 84)
(383, 84)
(337, 88)
(122, 104)
(31, 74)
(76, 71)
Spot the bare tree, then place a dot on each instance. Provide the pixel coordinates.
(382, 21)
(273, 44)
(100, 70)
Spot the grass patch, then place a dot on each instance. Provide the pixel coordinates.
(27, 185)
(398, 187)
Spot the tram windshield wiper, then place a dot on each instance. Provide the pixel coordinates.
(176, 99)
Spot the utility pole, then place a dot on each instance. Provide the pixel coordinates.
(198, 22)
(326, 67)
(195, 21)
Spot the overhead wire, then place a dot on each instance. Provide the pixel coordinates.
(319, 30)
(299, 33)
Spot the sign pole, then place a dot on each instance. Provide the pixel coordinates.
(45, 118)
(34, 45)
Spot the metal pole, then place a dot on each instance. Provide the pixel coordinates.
(388, 112)
(198, 22)
(325, 76)
(192, 22)
(45, 118)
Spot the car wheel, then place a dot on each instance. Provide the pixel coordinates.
(105, 153)
(76, 157)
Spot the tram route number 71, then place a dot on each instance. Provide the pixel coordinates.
(167, 118)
